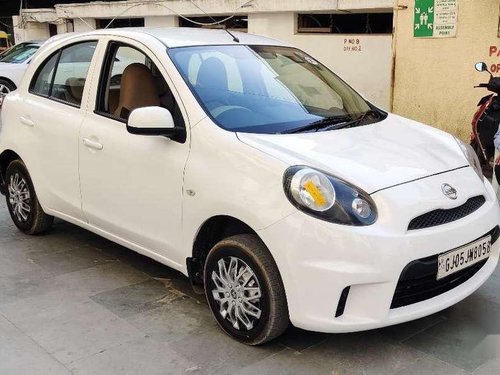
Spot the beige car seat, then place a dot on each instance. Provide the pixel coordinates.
(74, 90)
(138, 89)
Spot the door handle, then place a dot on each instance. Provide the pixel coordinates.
(92, 144)
(26, 121)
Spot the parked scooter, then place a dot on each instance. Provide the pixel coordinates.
(485, 125)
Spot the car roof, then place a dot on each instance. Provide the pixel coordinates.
(186, 36)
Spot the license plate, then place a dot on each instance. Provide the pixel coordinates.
(458, 259)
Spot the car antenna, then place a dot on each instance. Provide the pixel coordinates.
(235, 39)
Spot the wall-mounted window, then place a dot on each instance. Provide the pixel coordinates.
(346, 23)
(101, 23)
(239, 23)
(52, 29)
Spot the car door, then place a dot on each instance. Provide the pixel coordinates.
(52, 114)
(132, 185)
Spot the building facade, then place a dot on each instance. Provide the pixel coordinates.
(375, 45)
(435, 78)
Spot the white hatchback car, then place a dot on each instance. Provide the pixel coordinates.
(13, 64)
(253, 169)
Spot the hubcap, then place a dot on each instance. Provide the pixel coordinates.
(19, 197)
(237, 292)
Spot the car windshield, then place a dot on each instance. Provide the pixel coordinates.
(267, 89)
(19, 55)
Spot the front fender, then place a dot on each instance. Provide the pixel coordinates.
(227, 177)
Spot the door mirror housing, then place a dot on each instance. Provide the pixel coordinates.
(152, 121)
(482, 67)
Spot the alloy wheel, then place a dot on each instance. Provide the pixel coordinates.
(237, 293)
(4, 90)
(19, 197)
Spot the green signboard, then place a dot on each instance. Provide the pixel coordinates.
(435, 18)
(424, 18)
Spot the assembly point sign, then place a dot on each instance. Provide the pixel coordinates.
(435, 18)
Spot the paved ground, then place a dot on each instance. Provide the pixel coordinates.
(71, 302)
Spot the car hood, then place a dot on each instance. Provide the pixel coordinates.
(373, 157)
(10, 66)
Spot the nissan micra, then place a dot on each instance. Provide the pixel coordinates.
(250, 167)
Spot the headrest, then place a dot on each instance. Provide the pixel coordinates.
(138, 89)
(212, 74)
(75, 88)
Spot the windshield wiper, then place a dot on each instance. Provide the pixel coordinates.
(317, 125)
(352, 123)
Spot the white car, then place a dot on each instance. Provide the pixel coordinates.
(250, 167)
(13, 64)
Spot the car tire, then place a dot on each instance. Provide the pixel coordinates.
(6, 87)
(22, 202)
(244, 290)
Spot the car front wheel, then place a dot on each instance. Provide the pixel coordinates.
(245, 291)
(22, 202)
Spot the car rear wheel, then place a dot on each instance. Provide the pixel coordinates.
(245, 291)
(22, 202)
(6, 87)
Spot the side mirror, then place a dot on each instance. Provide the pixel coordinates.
(481, 67)
(152, 121)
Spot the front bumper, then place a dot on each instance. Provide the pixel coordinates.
(318, 260)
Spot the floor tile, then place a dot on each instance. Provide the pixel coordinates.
(459, 342)
(19, 354)
(346, 354)
(214, 352)
(68, 327)
(102, 278)
(404, 331)
(174, 321)
(140, 356)
(489, 368)
(431, 366)
(136, 298)
(299, 340)
(70, 259)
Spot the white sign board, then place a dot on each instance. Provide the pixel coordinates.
(445, 19)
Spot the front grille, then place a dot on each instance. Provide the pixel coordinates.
(441, 216)
(418, 280)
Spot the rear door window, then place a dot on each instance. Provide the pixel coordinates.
(63, 75)
(41, 84)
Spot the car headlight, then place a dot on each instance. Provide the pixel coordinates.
(471, 157)
(328, 198)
